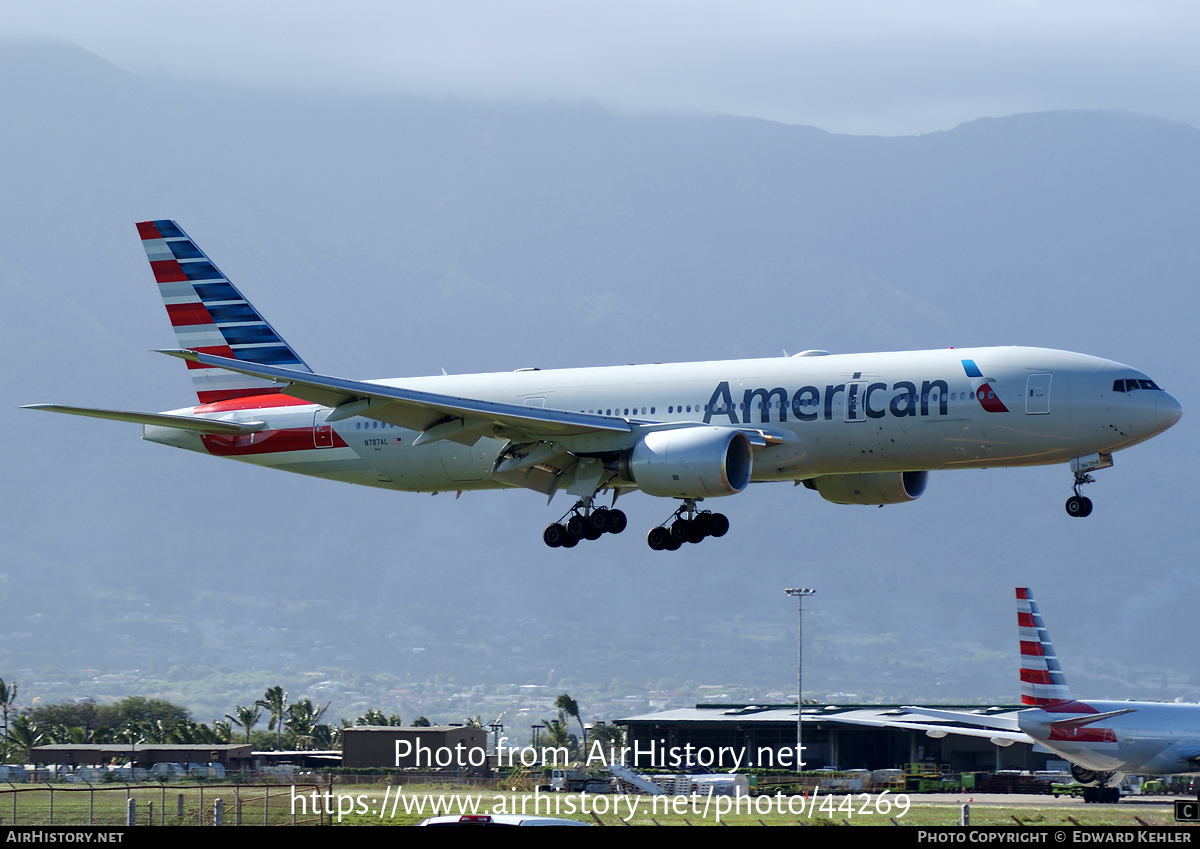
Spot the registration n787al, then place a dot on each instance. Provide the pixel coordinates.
(856, 428)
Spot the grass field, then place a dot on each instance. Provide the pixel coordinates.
(378, 804)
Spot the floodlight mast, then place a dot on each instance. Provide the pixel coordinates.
(799, 595)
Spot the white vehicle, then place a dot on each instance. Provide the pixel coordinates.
(498, 819)
(856, 428)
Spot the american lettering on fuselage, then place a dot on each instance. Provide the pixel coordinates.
(857, 428)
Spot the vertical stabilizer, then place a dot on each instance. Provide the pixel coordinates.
(1042, 680)
(210, 315)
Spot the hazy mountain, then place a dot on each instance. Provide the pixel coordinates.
(388, 237)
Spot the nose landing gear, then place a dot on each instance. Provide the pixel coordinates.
(1080, 505)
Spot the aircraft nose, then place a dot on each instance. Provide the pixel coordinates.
(1167, 411)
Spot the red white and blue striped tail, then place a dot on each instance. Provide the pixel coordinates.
(1042, 680)
(210, 315)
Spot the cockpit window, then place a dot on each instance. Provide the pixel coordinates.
(1130, 384)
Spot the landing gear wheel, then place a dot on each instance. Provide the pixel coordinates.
(672, 543)
(577, 526)
(599, 520)
(570, 540)
(1087, 505)
(554, 535)
(718, 525)
(698, 530)
(658, 538)
(681, 529)
(1078, 506)
(616, 521)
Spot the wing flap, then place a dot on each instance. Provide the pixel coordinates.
(195, 423)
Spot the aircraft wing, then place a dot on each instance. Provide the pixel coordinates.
(195, 423)
(997, 736)
(1002, 722)
(435, 416)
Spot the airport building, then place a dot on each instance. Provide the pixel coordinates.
(840, 736)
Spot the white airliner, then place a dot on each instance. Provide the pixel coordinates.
(1103, 741)
(857, 428)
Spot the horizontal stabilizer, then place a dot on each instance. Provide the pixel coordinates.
(195, 423)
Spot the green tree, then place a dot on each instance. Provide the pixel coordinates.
(376, 717)
(558, 734)
(8, 697)
(422, 722)
(303, 721)
(570, 707)
(610, 737)
(275, 701)
(247, 717)
(25, 733)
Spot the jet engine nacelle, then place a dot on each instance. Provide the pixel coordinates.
(1085, 776)
(873, 488)
(690, 462)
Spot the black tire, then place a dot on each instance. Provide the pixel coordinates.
(681, 529)
(1075, 506)
(577, 526)
(553, 535)
(697, 531)
(599, 520)
(718, 525)
(672, 543)
(1087, 506)
(592, 532)
(570, 540)
(616, 521)
(657, 538)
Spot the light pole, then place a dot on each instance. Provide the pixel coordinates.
(799, 595)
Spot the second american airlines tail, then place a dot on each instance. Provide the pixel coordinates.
(856, 428)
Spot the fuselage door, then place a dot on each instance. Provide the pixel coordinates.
(1037, 394)
(322, 433)
(856, 408)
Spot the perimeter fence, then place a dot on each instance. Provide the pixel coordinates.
(162, 804)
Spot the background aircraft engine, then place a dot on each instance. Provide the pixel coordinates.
(1085, 776)
(874, 488)
(693, 462)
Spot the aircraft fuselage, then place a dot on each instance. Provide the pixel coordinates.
(828, 415)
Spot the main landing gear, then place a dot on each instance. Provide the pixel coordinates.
(1080, 505)
(692, 527)
(585, 522)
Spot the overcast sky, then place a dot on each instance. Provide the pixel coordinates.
(888, 68)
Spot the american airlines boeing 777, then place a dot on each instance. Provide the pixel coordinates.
(856, 428)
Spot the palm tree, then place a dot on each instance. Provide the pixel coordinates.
(247, 717)
(558, 733)
(275, 701)
(570, 707)
(26, 734)
(304, 720)
(8, 695)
